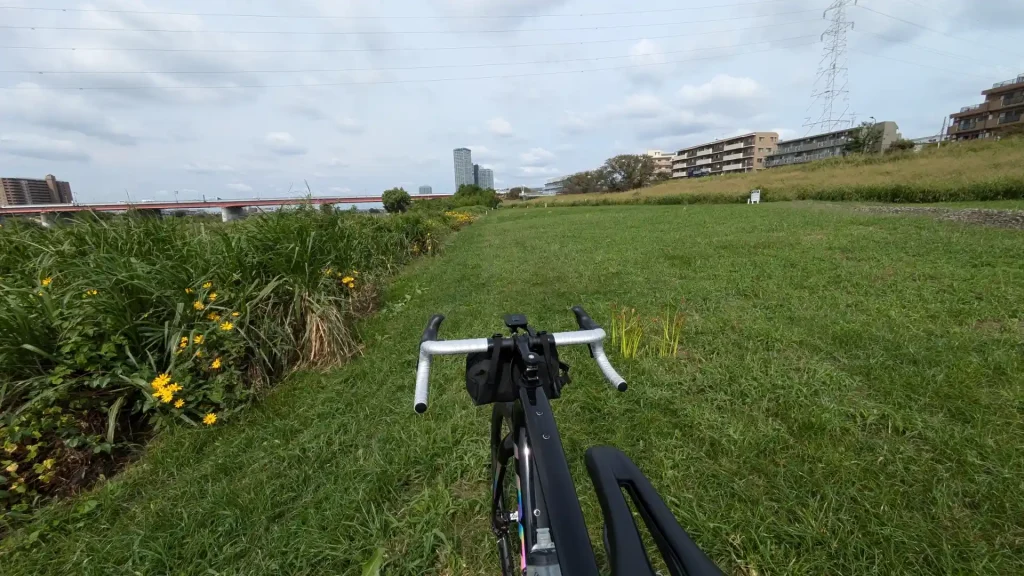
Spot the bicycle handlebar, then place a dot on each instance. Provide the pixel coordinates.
(591, 334)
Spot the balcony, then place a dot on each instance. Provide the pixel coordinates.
(736, 145)
(736, 156)
(775, 161)
(1009, 118)
(1011, 82)
(703, 161)
(739, 166)
(812, 146)
(1013, 100)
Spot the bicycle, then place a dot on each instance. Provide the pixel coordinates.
(520, 375)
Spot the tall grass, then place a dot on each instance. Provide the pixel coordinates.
(91, 315)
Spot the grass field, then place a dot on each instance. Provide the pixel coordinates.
(969, 171)
(849, 401)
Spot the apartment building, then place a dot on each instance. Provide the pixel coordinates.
(426, 190)
(828, 145)
(463, 167)
(24, 191)
(662, 161)
(1002, 110)
(485, 178)
(745, 153)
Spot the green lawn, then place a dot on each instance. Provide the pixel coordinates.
(850, 401)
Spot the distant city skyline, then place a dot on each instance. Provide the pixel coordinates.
(463, 167)
(485, 178)
(426, 190)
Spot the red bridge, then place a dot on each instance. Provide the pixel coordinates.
(230, 209)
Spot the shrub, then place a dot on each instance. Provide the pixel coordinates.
(112, 330)
(396, 200)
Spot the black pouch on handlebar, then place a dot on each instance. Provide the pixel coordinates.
(489, 375)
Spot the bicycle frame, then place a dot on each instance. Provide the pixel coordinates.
(547, 497)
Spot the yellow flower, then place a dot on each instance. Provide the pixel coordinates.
(199, 353)
(347, 280)
(189, 290)
(91, 292)
(213, 316)
(351, 285)
(227, 326)
(161, 381)
(210, 419)
(198, 305)
(236, 314)
(212, 296)
(184, 343)
(179, 403)
(198, 339)
(47, 281)
(12, 468)
(328, 272)
(39, 293)
(207, 285)
(216, 364)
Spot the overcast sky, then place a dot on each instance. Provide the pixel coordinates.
(380, 95)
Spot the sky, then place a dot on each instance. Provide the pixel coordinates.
(183, 99)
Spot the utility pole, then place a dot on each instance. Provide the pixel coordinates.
(831, 88)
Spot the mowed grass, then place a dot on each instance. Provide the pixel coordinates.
(849, 402)
(980, 170)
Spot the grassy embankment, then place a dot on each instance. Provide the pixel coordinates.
(113, 329)
(964, 172)
(848, 401)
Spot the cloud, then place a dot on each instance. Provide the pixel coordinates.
(536, 157)
(483, 153)
(283, 143)
(535, 171)
(201, 167)
(721, 89)
(341, 123)
(649, 61)
(500, 127)
(39, 107)
(572, 123)
(239, 187)
(504, 8)
(41, 147)
(641, 105)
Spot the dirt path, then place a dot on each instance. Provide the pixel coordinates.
(983, 216)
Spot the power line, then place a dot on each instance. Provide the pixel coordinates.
(389, 17)
(947, 70)
(920, 47)
(379, 32)
(432, 67)
(413, 49)
(400, 81)
(921, 26)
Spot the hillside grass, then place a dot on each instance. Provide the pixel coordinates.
(970, 171)
(849, 400)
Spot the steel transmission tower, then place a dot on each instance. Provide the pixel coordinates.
(831, 88)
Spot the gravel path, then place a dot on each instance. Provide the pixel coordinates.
(983, 216)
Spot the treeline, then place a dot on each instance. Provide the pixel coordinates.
(398, 200)
(619, 174)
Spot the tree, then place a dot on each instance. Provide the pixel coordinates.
(865, 139)
(473, 195)
(902, 145)
(586, 182)
(629, 172)
(517, 192)
(396, 200)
